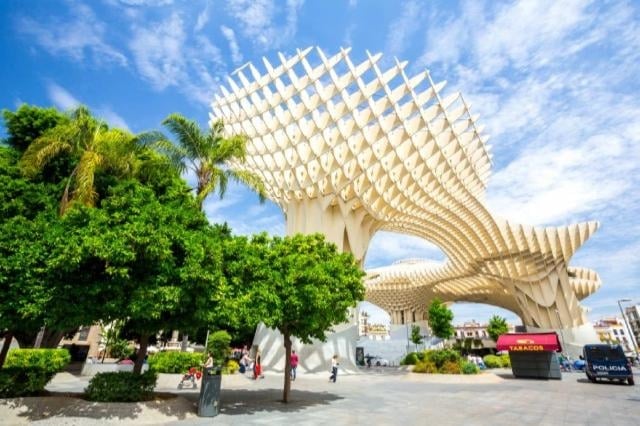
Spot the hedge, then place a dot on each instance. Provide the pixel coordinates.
(493, 361)
(443, 361)
(231, 367)
(121, 387)
(174, 362)
(410, 359)
(27, 371)
(469, 368)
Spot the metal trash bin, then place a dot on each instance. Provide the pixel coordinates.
(209, 401)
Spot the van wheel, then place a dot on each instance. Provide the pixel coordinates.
(631, 381)
(592, 379)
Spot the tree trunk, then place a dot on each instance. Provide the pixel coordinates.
(50, 338)
(142, 353)
(287, 367)
(8, 337)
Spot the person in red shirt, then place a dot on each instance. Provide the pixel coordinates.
(294, 364)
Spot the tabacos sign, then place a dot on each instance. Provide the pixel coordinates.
(526, 345)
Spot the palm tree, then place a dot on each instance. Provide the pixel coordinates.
(95, 146)
(206, 154)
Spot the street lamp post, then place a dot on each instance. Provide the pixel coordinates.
(624, 319)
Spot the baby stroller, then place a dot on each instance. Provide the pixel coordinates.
(190, 376)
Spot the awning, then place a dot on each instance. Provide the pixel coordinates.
(535, 342)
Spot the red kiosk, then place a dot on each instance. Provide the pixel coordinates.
(532, 355)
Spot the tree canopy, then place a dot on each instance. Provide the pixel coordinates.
(497, 326)
(300, 285)
(92, 145)
(440, 317)
(28, 123)
(416, 337)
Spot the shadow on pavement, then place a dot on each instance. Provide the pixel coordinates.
(70, 405)
(241, 401)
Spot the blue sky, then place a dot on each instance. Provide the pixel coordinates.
(556, 84)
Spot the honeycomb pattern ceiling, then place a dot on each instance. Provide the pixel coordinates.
(349, 149)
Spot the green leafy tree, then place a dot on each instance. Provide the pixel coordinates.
(96, 148)
(300, 285)
(28, 123)
(416, 337)
(497, 326)
(206, 155)
(440, 318)
(27, 217)
(218, 345)
(154, 264)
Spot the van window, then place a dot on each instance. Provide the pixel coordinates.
(605, 354)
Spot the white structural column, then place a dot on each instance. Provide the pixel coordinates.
(349, 149)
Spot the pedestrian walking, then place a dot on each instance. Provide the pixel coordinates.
(257, 366)
(294, 364)
(334, 369)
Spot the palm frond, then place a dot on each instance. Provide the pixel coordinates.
(117, 150)
(251, 180)
(41, 151)
(147, 139)
(175, 154)
(84, 191)
(232, 148)
(189, 135)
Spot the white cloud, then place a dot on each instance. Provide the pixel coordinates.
(158, 51)
(467, 312)
(241, 209)
(228, 33)
(166, 57)
(257, 21)
(203, 17)
(64, 100)
(112, 118)
(144, 2)
(61, 98)
(403, 27)
(83, 34)
(531, 34)
(388, 247)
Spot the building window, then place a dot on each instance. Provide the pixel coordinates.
(615, 331)
(83, 334)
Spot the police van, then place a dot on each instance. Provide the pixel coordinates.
(607, 362)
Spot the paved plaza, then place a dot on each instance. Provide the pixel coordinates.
(378, 397)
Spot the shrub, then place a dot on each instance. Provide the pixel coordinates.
(450, 367)
(492, 361)
(121, 387)
(121, 349)
(231, 367)
(27, 371)
(426, 366)
(440, 357)
(421, 355)
(410, 359)
(173, 362)
(469, 368)
(505, 360)
(219, 346)
(51, 360)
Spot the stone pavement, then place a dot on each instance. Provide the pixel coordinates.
(376, 397)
